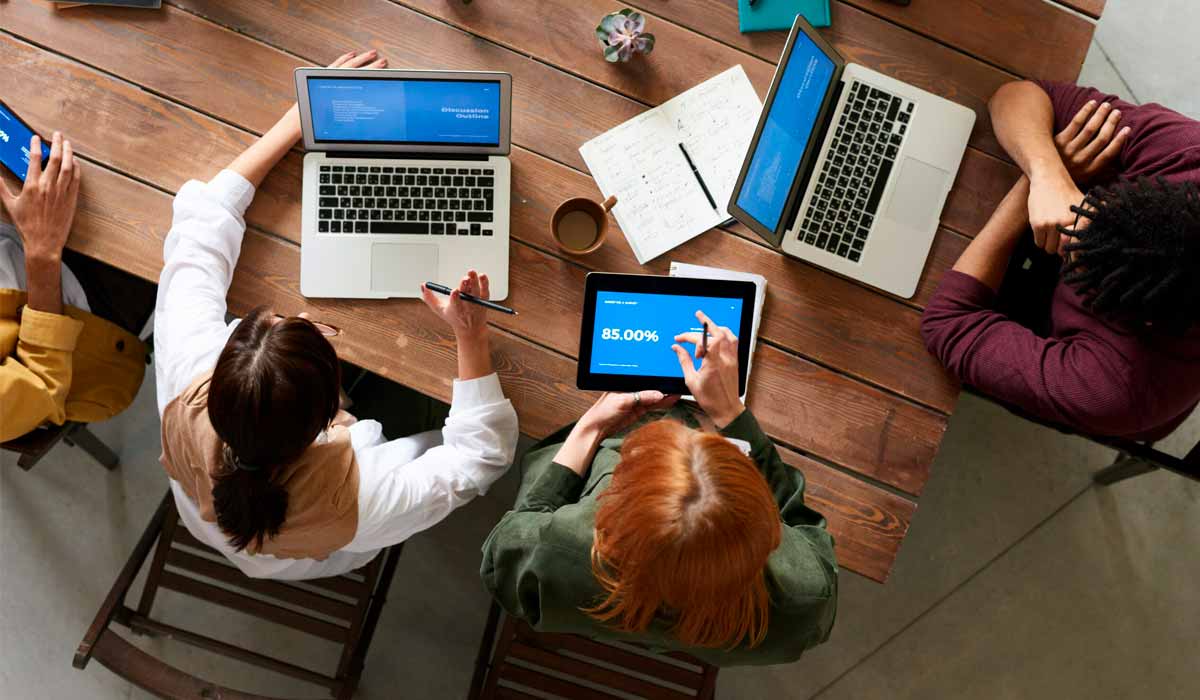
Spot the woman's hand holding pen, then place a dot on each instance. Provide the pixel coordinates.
(469, 323)
(715, 384)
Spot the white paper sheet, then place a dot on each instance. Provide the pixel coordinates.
(660, 204)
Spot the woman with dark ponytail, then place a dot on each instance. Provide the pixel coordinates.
(264, 464)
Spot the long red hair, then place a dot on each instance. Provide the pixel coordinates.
(683, 534)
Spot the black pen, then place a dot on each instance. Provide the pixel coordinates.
(698, 178)
(443, 289)
(704, 341)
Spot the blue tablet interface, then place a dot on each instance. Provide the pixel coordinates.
(14, 144)
(786, 132)
(394, 110)
(634, 331)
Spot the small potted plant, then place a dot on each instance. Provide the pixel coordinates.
(621, 35)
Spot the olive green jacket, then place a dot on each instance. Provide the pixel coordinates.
(537, 561)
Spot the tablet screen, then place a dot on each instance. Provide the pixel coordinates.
(630, 323)
(633, 332)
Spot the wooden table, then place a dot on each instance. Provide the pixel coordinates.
(841, 380)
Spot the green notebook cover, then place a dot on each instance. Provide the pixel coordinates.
(780, 14)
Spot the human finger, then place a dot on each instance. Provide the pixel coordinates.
(7, 196)
(685, 363)
(703, 318)
(1089, 129)
(485, 288)
(341, 60)
(431, 299)
(361, 59)
(692, 337)
(50, 174)
(1103, 137)
(381, 63)
(35, 161)
(66, 172)
(472, 282)
(1113, 149)
(1076, 123)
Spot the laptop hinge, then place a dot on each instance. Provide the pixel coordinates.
(406, 156)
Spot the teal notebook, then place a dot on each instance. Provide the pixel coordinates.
(780, 14)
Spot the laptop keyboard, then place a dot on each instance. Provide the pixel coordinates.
(421, 200)
(856, 170)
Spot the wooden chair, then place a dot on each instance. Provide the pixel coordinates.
(343, 609)
(34, 445)
(526, 665)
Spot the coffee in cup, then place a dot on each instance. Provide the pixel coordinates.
(579, 224)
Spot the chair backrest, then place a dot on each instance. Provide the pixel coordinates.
(568, 666)
(342, 609)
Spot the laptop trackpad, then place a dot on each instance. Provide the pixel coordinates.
(401, 268)
(919, 188)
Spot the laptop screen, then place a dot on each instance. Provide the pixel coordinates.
(405, 111)
(786, 132)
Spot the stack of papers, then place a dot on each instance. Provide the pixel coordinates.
(679, 269)
(660, 202)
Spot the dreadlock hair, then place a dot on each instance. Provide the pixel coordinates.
(1138, 260)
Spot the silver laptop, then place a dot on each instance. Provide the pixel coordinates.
(849, 169)
(406, 180)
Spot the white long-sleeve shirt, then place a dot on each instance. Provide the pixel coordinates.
(405, 485)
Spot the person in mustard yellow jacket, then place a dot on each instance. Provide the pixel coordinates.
(58, 362)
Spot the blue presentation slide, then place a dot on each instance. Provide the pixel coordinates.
(785, 133)
(14, 144)
(405, 111)
(634, 331)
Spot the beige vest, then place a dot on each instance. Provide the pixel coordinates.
(322, 485)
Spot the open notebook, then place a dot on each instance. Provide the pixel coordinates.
(660, 201)
(679, 269)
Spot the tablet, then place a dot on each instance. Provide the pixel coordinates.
(630, 323)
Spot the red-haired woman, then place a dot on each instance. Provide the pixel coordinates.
(670, 535)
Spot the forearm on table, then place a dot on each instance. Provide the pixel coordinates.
(44, 283)
(1023, 119)
(257, 160)
(986, 258)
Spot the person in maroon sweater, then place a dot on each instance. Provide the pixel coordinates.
(1095, 324)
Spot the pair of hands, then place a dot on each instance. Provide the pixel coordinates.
(1088, 147)
(715, 386)
(44, 208)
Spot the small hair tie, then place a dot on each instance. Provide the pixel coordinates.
(246, 467)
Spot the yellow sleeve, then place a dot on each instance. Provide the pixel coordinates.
(35, 381)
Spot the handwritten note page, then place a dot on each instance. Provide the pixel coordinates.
(660, 204)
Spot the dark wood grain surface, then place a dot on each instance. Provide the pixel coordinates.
(841, 379)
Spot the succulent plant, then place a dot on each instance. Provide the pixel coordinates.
(621, 35)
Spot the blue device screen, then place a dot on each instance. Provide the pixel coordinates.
(392, 110)
(633, 331)
(14, 144)
(786, 132)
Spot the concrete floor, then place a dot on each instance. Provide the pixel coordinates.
(1018, 578)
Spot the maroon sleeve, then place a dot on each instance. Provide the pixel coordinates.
(1161, 141)
(1073, 381)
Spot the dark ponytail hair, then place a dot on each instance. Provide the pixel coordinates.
(273, 391)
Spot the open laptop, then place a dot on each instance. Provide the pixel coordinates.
(406, 180)
(848, 168)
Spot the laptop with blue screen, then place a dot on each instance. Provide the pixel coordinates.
(406, 180)
(849, 168)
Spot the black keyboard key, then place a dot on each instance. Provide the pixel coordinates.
(399, 227)
(435, 215)
(476, 193)
(339, 214)
(372, 179)
(892, 152)
(427, 192)
(376, 215)
(439, 192)
(400, 192)
(460, 216)
(325, 168)
(325, 214)
(336, 178)
(355, 190)
(458, 181)
(324, 178)
(896, 139)
(843, 249)
(446, 181)
(405, 204)
(480, 205)
(437, 229)
(475, 171)
(487, 232)
(476, 230)
(357, 202)
(822, 240)
(442, 204)
(410, 180)
(453, 204)
(379, 191)
(335, 227)
(351, 214)
(484, 216)
(430, 204)
(337, 168)
(423, 215)
(468, 182)
(426, 171)
(343, 190)
(387, 214)
(322, 227)
(421, 180)
(328, 202)
(857, 244)
(437, 171)
(364, 214)
(877, 191)
(904, 116)
(360, 179)
(388, 169)
(361, 226)
(855, 255)
(393, 203)
(369, 203)
(487, 182)
(410, 215)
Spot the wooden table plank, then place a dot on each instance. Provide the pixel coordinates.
(806, 292)
(865, 39)
(1091, 8)
(1031, 38)
(54, 87)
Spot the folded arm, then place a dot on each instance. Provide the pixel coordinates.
(34, 382)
